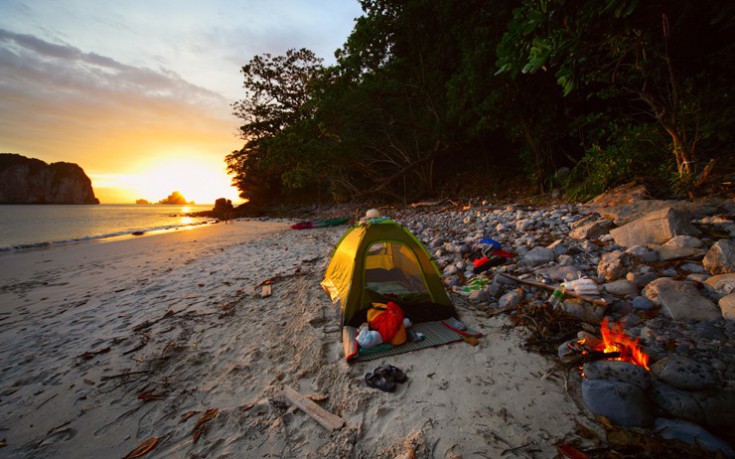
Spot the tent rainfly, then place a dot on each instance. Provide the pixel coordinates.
(377, 261)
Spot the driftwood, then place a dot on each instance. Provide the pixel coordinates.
(325, 418)
(599, 302)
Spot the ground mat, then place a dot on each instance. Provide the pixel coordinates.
(436, 335)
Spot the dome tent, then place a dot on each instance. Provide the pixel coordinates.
(381, 261)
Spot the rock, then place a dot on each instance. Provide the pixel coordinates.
(592, 230)
(617, 370)
(685, 373)
(655, 227)
(511, 298)
(646, 254)
(621, 287)
(723, 283)
(617, 264)
(32, 181)
(566, 351)
(692, 268)
(681, 300)
(589, 339)
(618, 196)
(684, 242)
(678, 253)
(692, 434)
(719, 408)
(622, 403)
(677, 402)
(538, 256)
(559, 273)
(624, 214)
(641, 279)
(641, 303)
(720, 258)
(584, 311)
(557, 247)
(727, 306)
(478, 295)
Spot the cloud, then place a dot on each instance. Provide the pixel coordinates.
(61, 99)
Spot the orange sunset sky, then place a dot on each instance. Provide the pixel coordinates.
(139, 93)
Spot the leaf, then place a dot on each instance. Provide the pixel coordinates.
(606, 422)
(206, 417)
(187, 415)
(571, 452)
(143, 449)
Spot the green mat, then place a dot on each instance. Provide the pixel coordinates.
(436, 335)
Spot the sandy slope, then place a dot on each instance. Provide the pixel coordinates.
(223, 346)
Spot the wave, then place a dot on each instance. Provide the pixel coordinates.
(102, 237)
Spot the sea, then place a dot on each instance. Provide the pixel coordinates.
(24, 227)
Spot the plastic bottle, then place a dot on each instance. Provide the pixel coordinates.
(556, 297)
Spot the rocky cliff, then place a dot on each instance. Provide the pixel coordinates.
(32, 181)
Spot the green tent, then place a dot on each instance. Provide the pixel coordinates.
(380, 261)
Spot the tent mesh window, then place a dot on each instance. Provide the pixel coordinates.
(392, 268)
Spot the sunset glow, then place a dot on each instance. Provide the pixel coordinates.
(144, 105)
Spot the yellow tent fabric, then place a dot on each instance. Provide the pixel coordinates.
(378, 258)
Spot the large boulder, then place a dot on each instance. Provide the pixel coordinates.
(720, 258)
(622, 403)
(592, 230)
(32, 181)
(681, 300)
(727, 306)
(616, 264)
(655, 227)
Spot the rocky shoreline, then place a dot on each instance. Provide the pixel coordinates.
(665, 270)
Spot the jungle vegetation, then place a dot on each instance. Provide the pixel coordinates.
(425, 93)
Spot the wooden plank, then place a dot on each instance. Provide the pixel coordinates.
(325, 418)
(266, 292)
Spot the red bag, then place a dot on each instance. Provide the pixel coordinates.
(389, 322)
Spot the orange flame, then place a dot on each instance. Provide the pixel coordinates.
(615, 340)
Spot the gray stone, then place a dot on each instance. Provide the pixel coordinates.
(693, 268)
(684, 373)
(565, 260)
(511, 298)
(538, 256)
(641, 279)
(681, 300)
(719, 408)
(617, 370)
(622, 403)
(617, 264)
(449, 270)
(684, 242)
(677, 402)
(558, 247)
(655, 227)
(677, 253)
(646, 254)
(590, 340)
(478, 295)
(566, 351)
(584, 311)
(692, 434)
(720, 258)
(641, 303)
(727, 306)
(621, 287)
(592, 230)
(723, 283)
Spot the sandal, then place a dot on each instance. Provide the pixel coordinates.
(392, 373)
(380, 381)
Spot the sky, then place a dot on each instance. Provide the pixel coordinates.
(139, 93)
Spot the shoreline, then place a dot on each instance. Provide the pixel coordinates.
(107, 345)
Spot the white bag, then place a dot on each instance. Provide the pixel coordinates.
(583, 286)
(369, 338)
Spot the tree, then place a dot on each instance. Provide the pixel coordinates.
(655, 57)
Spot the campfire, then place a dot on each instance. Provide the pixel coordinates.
(615, 345)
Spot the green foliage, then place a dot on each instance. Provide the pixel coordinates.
(423, 90)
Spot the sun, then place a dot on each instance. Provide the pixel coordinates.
(197, 177)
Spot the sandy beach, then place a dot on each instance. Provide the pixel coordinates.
(105, 345)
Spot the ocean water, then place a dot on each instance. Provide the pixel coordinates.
(35, 226)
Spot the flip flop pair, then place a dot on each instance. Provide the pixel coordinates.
(385, 378)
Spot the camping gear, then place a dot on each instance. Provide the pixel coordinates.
(435, 334)
(380, 261)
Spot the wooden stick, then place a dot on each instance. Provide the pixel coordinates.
(325, 418)
(599, 302)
